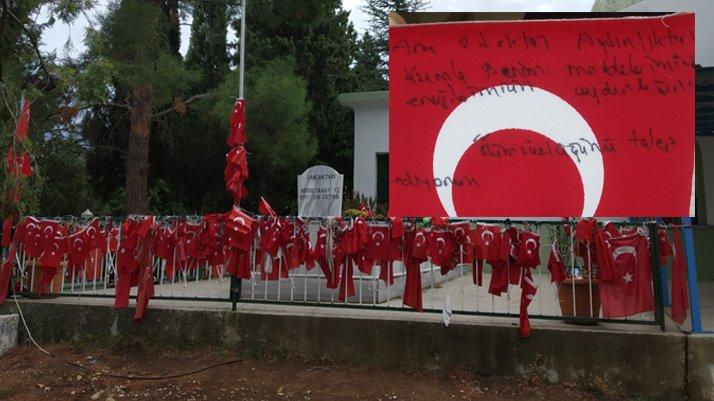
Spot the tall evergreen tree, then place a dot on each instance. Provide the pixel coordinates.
(321, 39)
(208, 48)
(131, 55)
(367, 66)
(378, 13)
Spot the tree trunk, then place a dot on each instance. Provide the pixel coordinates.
(137, 160)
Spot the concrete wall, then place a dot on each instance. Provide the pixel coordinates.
(700, 358)
(651, 364)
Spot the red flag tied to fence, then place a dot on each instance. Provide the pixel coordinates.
(680, 298)
(625, 276)
(542, 118)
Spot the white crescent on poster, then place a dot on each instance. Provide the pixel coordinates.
(535, 110)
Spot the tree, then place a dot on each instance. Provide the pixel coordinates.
(321, 39)
(131, 57)
(378, 14)
(279, 144)
(208, 49)
(66, 189)
(26, 71)
(367, 65)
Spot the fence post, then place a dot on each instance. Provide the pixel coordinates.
(235, 292)
(692, 274)
(656, 275)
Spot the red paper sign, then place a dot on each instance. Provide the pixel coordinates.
(542, 118)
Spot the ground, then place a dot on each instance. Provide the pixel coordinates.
(27, 374)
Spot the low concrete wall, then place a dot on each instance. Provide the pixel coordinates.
(700, 375)
(650, 364)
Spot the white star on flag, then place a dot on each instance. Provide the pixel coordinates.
(627, 277)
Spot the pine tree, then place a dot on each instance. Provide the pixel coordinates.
(208, 49)
(132, 55)
(322, 40)
(367, 66)
(378, 13)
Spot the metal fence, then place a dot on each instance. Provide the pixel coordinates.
(455, 291)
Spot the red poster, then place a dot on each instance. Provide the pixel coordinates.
(542, 118)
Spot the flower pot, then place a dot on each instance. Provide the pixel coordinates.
(575, 300)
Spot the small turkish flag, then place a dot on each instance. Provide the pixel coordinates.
(628, 289)
(487, 240)
(6, 272)
(528, 292)
(377, 248)
(528, 249)
(680, 297)
(556, 265)
(23, 120)
(265, 209)
(236, 125)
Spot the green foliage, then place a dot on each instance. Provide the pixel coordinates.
(378, 14)
(319, 36)
(132, 48)
(208, 49)
(280, 145)
(66, 189)
(367, 66)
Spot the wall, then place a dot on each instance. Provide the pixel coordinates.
(371, 137)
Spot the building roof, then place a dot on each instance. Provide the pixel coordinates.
(353, 99)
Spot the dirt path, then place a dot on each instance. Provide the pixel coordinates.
(26, 374)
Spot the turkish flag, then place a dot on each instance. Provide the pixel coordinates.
(487, 239)
(145, 292)
(414, 240)
(236, 125)
(419, 244)
(680, 297)
(628, 289)
(377, 248)
(664, 247)
(529, 249)
(240, 229)
(7, 230)
(575, 117)
(528, 292)
(397, 227)
(23, 120)
(6, 271)
(443, 250)
(265, 209)
(30, 234)
(556, 265)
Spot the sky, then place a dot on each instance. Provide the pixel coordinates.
(58, 37)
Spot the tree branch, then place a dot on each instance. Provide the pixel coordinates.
(186, 102)
(3, 21)
(33, 41)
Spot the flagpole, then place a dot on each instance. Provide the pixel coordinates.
(242, 48)
(236, 284)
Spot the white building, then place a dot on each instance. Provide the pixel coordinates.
(371, 162)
